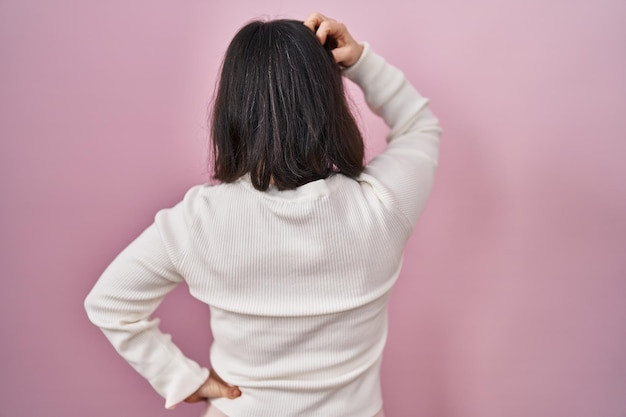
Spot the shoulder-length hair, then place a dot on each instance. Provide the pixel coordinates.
(280, 113)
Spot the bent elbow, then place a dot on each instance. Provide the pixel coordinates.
(93, 307)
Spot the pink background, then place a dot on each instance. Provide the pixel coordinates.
(512, 301)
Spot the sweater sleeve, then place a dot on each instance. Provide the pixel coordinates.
(129, 291)
(403, 174)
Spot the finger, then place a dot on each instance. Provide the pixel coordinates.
(194, 398)
(218, 390)
(348, 55)
(341, 55)
(329, 28)
(234, 393)
(334, 29)
(314, 20)
(322, 32)
(215, 387)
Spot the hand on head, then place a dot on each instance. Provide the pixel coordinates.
(348, 50)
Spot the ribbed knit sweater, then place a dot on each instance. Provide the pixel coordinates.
(297, 281)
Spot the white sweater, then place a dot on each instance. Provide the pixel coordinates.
(297, 281)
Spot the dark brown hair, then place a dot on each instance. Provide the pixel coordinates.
(280, 113)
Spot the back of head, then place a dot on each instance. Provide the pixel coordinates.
(280, 113)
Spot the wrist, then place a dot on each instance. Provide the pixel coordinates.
(357, 55)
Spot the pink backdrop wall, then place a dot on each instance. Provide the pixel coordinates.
(512, 301)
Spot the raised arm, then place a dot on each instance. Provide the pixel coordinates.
(404, 172)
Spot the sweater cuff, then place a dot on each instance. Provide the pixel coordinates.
(181, 378)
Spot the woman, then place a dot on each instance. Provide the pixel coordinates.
(298, 247)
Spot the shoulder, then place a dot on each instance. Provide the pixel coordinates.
(184, 214)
